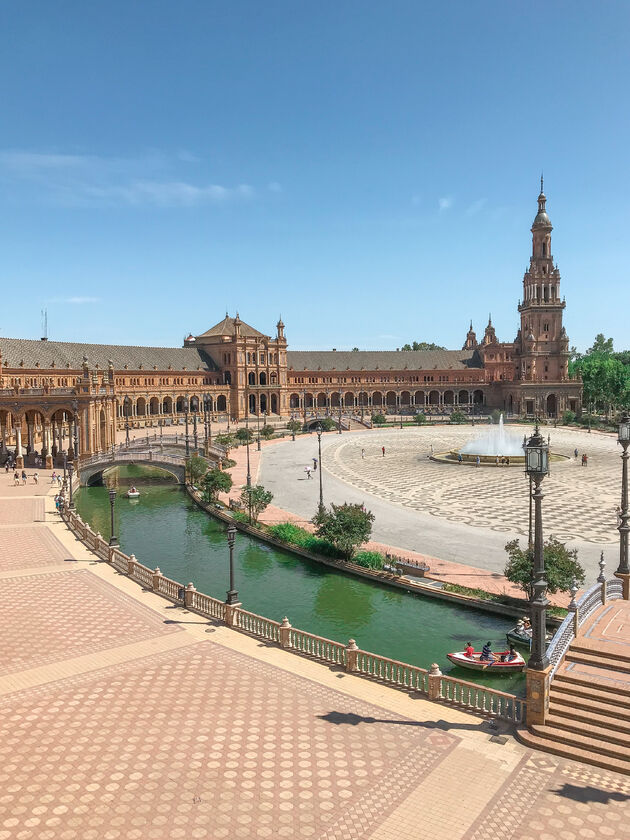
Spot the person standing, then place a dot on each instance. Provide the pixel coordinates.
(383, 450)
(23, 476)
(36, 477)
(314, 464)
(363, 453)
(16, 478)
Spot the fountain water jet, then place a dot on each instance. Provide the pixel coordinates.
(496, 440)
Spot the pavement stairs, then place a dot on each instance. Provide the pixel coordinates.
(589, 709)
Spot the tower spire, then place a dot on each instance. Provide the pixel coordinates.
(541, 182)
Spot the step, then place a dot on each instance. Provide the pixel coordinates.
(539, 742)
(610, 651)
(590, 685)
(607, 731)
(597, 660)
(584, 742)
(587, 704)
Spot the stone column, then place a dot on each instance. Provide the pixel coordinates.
(19, 456)
(3, 436)
(537, 686)
(71, 423)
(30, 443)
(46, 447)
(53, 430)
(435, 682)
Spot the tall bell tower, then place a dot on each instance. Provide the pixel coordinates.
(542, 344)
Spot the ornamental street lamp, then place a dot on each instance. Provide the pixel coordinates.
(195, 428)
(320, 508)
(537, 467)
(340, 414)
(112, 499)
(70, 474)
(624, 440)
(232, 595)
(258, 425)
(186, 406)
(293, 428)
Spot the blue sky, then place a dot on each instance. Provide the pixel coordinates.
(368, 170)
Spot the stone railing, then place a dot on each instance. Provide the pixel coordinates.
(429, 683)
(579, 611)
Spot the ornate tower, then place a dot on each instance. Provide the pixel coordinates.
(471, 339)
(542, 344)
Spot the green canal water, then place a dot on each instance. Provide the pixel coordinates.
(165, 528)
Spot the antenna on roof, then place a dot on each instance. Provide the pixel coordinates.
(45, 324)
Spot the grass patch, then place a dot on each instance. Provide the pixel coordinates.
(369, 559)
(294, 535)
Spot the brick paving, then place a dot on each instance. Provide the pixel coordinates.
(26, 548)
(144, 721)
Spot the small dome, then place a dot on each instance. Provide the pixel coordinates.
(542, 219)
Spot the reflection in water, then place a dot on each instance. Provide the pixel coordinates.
(166, 529)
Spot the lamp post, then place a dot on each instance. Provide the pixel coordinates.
(195, 427)
(65, 466)
(206, 421)
(258, 426)
(292, 428)
(127, 406)
(537, 467)
(624, 440)
(112, 500)
(70, 474)
(340, 414)
(186, 406)
(320, 508)
(232, 594)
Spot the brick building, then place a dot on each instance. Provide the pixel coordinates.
(58, 396)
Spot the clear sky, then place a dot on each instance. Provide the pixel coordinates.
(369, 170)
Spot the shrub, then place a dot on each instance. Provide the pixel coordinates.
(458, 417)
(239, 516)
(420, 418)
(228, 463)
(327, 424)
(294, 535)
(294, 426)
(369, 559)
(225, 440)
(267, 432)
(245, 434)
(378, 419)
(568, 417)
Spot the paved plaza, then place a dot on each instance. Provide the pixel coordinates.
(456, 513)
(124, 717)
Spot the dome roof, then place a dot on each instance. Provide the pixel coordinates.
(542, 219)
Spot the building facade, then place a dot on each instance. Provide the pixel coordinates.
(68, 398)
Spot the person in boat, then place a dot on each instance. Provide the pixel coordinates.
(486, 653)
(510, 656)
(133, 490)
(469, 650)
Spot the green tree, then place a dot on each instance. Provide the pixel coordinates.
(378, 420)
(244, 435)
(215, 482)
(294, 426)
(345, 526)
(561, 566)
(406, 347)
(196, 467)
(601, 345)
(420, 418)
(255, 499)
(328, 424)
(355, 349)
(267, 432)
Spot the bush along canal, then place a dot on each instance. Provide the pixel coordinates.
(165, 528)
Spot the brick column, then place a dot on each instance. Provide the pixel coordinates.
(537, 683)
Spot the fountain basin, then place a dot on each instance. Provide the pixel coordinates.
(470, 459)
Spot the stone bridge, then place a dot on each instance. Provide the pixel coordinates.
(91, 468)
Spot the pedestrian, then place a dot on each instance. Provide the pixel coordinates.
(6, 466)
(460, 458)
(478, 461)
(23, 476)
(431, 450)
(16, 478)
(307, 470)
(314, 464)
(383, 449)
(585, 463)
(53, 480)
(496, 461)
(575, 452)
(36, 477)
(363, 453)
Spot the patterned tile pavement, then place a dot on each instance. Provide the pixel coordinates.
(549, 799)
(22, 511)
(407, 477)
(49, 617)
(28, 548)
(203, 743)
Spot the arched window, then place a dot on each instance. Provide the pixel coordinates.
(263, 378)
(544, 249)
(251, 378)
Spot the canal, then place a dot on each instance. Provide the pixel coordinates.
(165, 528)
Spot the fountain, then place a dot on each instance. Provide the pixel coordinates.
(495, 440)
(496, 446)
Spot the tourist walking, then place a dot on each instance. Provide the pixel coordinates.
(314, 464)
(575, 452)
(23, 476)
(53, 480)
(383, 449)
(16, 478)
(478, 461)
(363, 453)
(36, 477)
(307, 470)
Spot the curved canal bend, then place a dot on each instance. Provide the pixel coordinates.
(165, 528)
